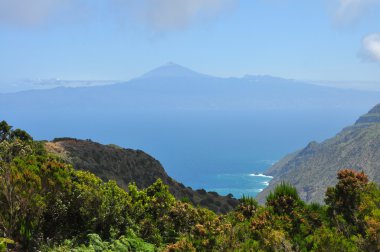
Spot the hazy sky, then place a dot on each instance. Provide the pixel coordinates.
(120, 39)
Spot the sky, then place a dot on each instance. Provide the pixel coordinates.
(330, 40)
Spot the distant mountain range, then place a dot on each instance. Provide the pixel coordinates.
(175, 87)
(314, 168)
(29, 84)
(193, 123)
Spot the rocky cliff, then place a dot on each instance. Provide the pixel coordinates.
(314, 168)
(125, 166)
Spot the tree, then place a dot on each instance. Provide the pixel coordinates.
(284, 199)
(20, 201)
(345, 198)
(20, 134)
(5, 130)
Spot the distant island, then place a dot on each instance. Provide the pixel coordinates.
(189, 126)
(198, 125)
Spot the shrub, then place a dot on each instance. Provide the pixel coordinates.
(247, 207)
(283, 199)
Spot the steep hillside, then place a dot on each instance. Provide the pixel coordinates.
(373, 116)
(111, 162)
(314, 168)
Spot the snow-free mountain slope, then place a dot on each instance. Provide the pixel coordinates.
(314, 168)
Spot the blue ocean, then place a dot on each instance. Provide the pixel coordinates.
(237, 184)
(226, 152)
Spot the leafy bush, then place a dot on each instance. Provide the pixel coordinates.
(4, 243)
(284, 197)
(247, 207)
(47, 205)
(96, 244)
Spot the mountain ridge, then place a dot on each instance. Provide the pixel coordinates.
(172, 70)
(175, 71)
(125, 166)
(373, 116)
(166, 89)
(313, 168)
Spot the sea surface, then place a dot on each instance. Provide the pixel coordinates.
(226, 152)
(237, 184)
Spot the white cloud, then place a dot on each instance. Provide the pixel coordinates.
(349, 10)
(164, 15)
(30, 12)
(371, 47)
(156, 14)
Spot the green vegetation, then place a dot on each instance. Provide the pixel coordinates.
(46, 205)
(127, 166)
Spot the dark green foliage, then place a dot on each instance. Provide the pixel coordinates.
(354, 208)
(127, 166)
(185, 200)
(247, 207)
(5, 130)
(329, 239)
(6, 133)
(345, 198)
(284, 199)
(283, 190)
(47, 205)
(95, 243)
(21, 134)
